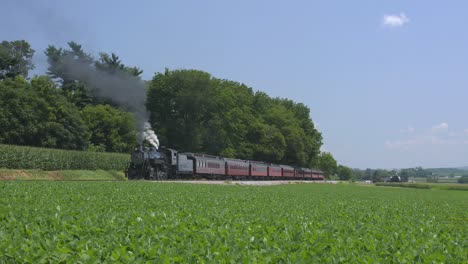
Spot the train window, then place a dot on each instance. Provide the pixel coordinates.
(214, 165)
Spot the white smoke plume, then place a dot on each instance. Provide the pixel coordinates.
(149, 135)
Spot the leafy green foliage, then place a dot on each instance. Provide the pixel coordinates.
(68, 66)
(380, 175)
(327, 164)
(193, 111)
(16, 157)
(345, 173)
(36, 114)
(15, 59)
(137, 222)
(111, 130)
(406, 175)
(190, 109)
(113, 65)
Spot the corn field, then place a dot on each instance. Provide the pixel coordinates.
(20, 157)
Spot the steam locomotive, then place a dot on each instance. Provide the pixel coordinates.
(149, 163)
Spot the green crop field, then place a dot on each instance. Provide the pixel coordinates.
(134, 222)
(22, 157)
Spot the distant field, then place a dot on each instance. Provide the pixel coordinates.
(425, 185)
(441, 180)
(55, 221)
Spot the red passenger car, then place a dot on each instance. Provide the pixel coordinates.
(307, 173)
(258, 169)
(317, 175)
(274, 171)
(237, 167)
(288, 171)
(299, 173)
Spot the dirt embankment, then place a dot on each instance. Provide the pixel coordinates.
(62, 175)
(30, 175)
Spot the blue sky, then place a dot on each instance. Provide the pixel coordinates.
(386, 81)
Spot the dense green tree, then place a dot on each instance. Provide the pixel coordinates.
(380, 175)
(345, 173)
(36, 114)
(310, 137)
(15, 59)
(72, 87)
(113, 65)
(405, 175)
(59, 62)
(327, 164)
(72, 66)
(179, 102)
(192, 111)
(111, 129)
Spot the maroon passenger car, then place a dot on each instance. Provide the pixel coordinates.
(237, 168)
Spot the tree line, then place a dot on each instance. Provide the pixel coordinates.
(190, 110)
(409, 174)
(57, 110)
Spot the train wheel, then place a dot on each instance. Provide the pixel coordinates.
(152, 175)
(162, 175)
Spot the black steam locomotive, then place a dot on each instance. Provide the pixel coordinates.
(149, 163)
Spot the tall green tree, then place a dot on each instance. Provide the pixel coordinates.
(36, 114)
(345, 173)
(15, 59)
(192, 111)
(380, 175)
(112, 64)
(112, 130)
(327, 164)
(71, 65)
(178, 102)
(73, 88)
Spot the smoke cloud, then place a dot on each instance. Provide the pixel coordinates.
(150, 136)
(127, 91)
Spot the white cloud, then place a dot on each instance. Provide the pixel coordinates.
(437, 135)
(395, 20)
(440, 127)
